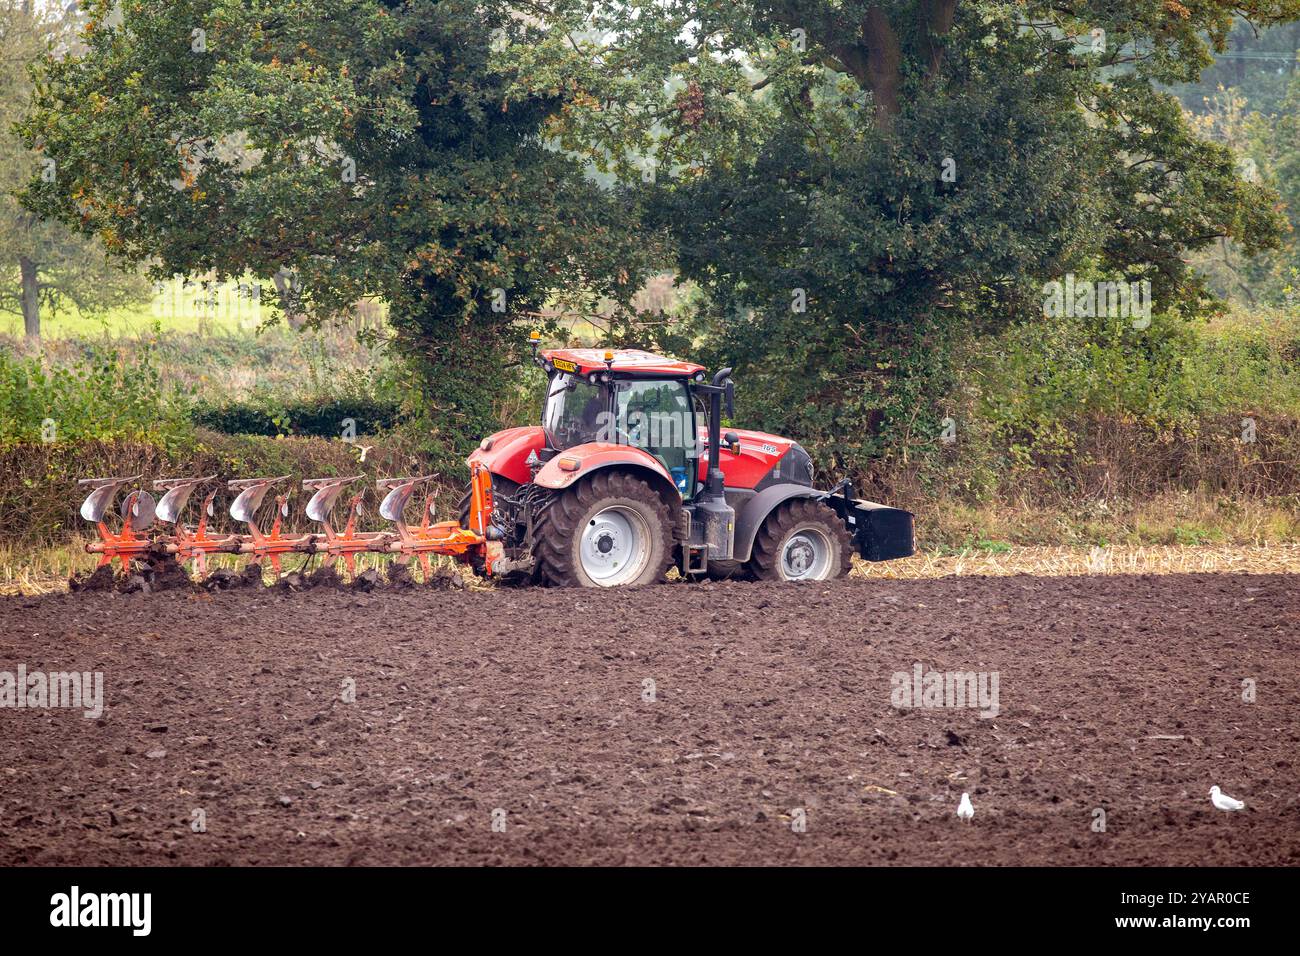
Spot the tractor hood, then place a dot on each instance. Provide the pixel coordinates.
(506, 452)
(759, 454)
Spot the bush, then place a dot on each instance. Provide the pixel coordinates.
(324, 417)
(101, 396)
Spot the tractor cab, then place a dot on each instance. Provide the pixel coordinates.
(629, 398)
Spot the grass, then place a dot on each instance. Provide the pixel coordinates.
(180, 306)
(1175, 518)
(221, 352)
(1122, 559)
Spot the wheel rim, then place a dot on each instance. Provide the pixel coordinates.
(614, 546)
(806, 556)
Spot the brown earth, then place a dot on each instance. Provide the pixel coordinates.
(1119, 692)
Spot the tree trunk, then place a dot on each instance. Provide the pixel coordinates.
(938, 17)
(284, 285)
(884, 64)
(31, 300)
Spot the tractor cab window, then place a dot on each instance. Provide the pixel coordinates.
(576, 412)
(658, 416)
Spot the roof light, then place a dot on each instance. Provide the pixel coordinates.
(534, 335)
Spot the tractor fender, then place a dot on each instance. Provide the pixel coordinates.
(752, 514)
(582, 460)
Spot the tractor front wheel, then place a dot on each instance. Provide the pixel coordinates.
(609, 530)
(802, 540)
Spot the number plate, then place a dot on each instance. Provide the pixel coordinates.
(564, 365)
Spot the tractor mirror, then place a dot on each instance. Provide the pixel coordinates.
(731, 399)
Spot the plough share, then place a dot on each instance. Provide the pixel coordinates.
(151, 529)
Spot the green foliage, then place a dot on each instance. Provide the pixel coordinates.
(351, 147)
(1258, 61)
(867, 199)
(101, 397)
(324, 417)
(912, 173)
(1040, 394)
(65, 268)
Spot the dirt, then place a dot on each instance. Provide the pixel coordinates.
(769, 713)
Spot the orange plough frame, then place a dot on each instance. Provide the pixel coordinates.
(143, 534)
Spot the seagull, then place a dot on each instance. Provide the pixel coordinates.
(1223, 801)
(966, 812)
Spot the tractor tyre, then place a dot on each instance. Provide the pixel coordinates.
(609, 530)
(801, 540)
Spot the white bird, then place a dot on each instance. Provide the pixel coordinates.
(965, 810)
(1223, 801)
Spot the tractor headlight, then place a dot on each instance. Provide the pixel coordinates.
(485, 444)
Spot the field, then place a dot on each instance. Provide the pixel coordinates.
(724, 723)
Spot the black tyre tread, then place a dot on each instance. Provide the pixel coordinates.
(557, 524)
(763, 559)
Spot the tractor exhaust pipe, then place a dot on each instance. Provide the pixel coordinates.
(721, 388)
(717, 518)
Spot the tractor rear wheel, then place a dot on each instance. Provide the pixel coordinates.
(801, 540)
(609, 530)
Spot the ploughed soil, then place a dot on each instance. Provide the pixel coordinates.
(770, 711)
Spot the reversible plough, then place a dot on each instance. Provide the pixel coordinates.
(152, 529)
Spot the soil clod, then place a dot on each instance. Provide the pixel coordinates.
(101, 579)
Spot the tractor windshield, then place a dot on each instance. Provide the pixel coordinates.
(577, 412)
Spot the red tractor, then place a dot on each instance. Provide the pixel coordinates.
(629, 475)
